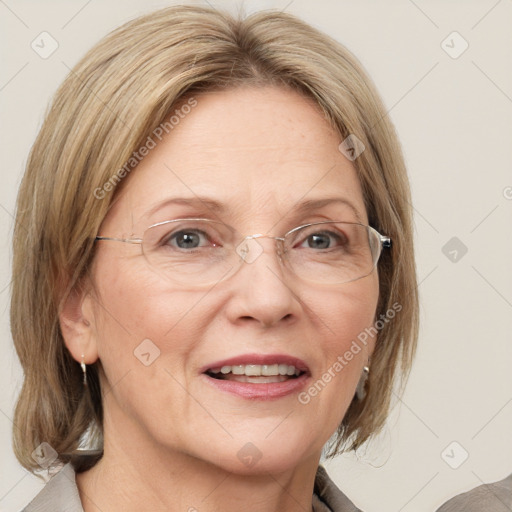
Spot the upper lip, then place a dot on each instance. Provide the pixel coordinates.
(267, 359)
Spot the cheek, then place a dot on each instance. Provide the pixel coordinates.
(140, 321)
(344, 313)
(147, 332)
(342, 318)
(136, 301)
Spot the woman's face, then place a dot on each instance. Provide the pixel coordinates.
(259, 153)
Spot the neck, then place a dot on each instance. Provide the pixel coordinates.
(135, 474)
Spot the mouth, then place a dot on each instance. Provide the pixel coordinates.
(258, 376)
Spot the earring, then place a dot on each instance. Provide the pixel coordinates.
(360, 390)
(84, 370)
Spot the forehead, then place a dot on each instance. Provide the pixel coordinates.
(258, 152)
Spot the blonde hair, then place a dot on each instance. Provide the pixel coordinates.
(109, 104)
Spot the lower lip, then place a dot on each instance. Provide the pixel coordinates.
(268, 391)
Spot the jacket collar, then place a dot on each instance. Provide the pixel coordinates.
(60, 494)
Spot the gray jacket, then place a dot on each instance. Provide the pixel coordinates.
(496, 497)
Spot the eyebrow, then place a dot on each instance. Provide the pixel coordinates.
(195, 202)
(316, 204)
(207, 204)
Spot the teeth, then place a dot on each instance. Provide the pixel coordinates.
(237, 370)
(256, 370)
(283, 369)
(252, 370)
(270, 369)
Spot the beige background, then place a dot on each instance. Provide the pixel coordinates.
(454, 118)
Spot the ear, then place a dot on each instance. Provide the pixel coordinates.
(77, 324)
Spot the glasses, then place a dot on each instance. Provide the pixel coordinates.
(200, 252)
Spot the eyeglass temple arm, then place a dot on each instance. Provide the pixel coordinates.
(127, 240)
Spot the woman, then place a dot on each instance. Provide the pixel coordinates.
(214, 269)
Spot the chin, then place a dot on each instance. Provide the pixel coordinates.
(261, 456)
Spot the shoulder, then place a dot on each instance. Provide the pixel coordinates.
(327, 497)
(495, 497)
(60, 494)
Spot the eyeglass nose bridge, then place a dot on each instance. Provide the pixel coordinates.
(250, 252)
(259, 235)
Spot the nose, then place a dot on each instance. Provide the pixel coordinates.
(262, 291)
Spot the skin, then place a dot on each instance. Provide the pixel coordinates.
(171, 440)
